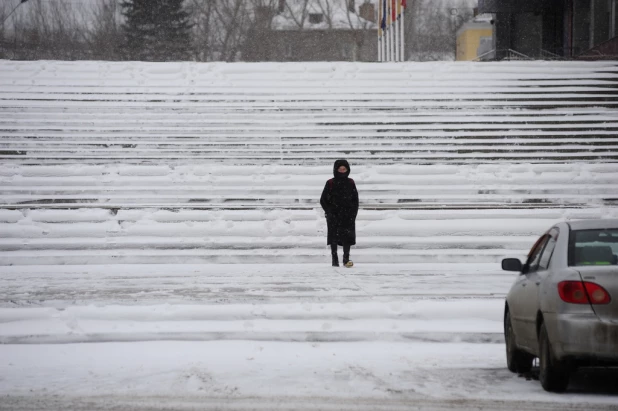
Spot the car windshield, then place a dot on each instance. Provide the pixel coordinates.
(593, 247)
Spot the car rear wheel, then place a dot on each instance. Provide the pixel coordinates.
(516, 360)
(553, 374)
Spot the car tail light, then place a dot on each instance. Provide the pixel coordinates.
(583, 292)
(597, 294)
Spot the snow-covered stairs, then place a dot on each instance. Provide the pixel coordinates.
(223, 163)
(398, 186)
(101, 236)
(62, 112)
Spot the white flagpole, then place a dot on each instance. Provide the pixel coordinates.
(398, 39)
(403, 34)
(384, 45)
(399, 31)
(387, 46)
(384, 36)
(379, 44)
(379, 30)
(387, 33)
(392, 32)
(396, 35)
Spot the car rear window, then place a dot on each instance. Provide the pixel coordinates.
(593, 247)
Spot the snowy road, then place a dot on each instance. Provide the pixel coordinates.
(281, 337)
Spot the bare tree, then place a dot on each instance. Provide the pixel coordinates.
(258, 39)
(104, 35)
(358, 26)
(431, 27)
(202, 16)
(232, 18)
(50, 29)
(298, 12)
(222, 27)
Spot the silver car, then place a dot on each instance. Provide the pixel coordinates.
(563, 306)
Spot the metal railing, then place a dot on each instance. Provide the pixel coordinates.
(509, 54)
(548, 55)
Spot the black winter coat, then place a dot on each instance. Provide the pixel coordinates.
(340, 203)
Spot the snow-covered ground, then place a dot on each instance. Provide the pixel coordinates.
(126, 186)
(378, 336)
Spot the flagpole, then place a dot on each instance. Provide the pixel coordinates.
(396, 41)
(394, 26)
(398, 35)
(400, 38)
(392, 32)
(379, 32)
(397, 31)
(387, 8)
(403, 34)
(382, 31)
(390, 27)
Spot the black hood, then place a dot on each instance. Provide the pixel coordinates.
(338, 164)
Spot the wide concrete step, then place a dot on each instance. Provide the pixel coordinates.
(281, 114)
(522, 103)
(289, 187)
(258, 256)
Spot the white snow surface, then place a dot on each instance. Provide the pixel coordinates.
(141, 180)
(294, 337)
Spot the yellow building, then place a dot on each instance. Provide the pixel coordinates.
(475, 39)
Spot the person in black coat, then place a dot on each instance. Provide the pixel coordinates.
(340, 203)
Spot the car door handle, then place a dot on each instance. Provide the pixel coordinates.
(538, 283)
(523, 284)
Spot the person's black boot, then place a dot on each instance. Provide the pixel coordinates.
(346, 256)
(335, 260)
(333, 252)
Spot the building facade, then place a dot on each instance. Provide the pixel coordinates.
(306, 31)
(553, 28)
(475, 39)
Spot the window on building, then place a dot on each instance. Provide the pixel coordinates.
(316, 18)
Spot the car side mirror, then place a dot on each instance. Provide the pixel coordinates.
(512, 264)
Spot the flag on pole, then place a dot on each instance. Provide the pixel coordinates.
(389, 14)
(393, 10)
(383, 22)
